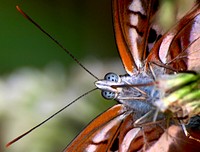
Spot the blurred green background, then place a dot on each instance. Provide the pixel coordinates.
(85, 27)
(37, 78)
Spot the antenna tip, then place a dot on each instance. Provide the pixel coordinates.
(8, 144)
(12, 141)
(17, 7)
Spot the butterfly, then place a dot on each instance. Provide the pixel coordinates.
(146, 53)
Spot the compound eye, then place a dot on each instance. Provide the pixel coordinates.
(112, 77)
(109, 95)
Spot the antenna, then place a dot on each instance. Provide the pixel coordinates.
(35, 127)
(60, 45)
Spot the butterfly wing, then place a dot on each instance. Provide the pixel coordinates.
(133, 138)
(99, 135)
(134, 30)
(179, 48)
(113, 130)
(174, 140)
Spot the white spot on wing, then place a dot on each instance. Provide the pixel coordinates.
(136, 6)
(194, 34)
(91, 148)
(134, 19)
(194, 49)
(164, 47)
(134, 46)
(128, 139)
(104, 133)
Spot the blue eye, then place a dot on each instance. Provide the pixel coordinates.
(112, 77)
(109, 95)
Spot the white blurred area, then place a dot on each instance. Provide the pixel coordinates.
(28, 96)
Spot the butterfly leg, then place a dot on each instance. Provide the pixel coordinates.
(148, 117)
(187, 134)
(146, 144)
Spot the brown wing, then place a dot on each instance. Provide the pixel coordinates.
(133, 30)
(100, 134)
(174, 140)
(114, 131)
(180, 47)
(140, 138)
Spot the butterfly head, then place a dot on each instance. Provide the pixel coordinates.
(107, 85)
